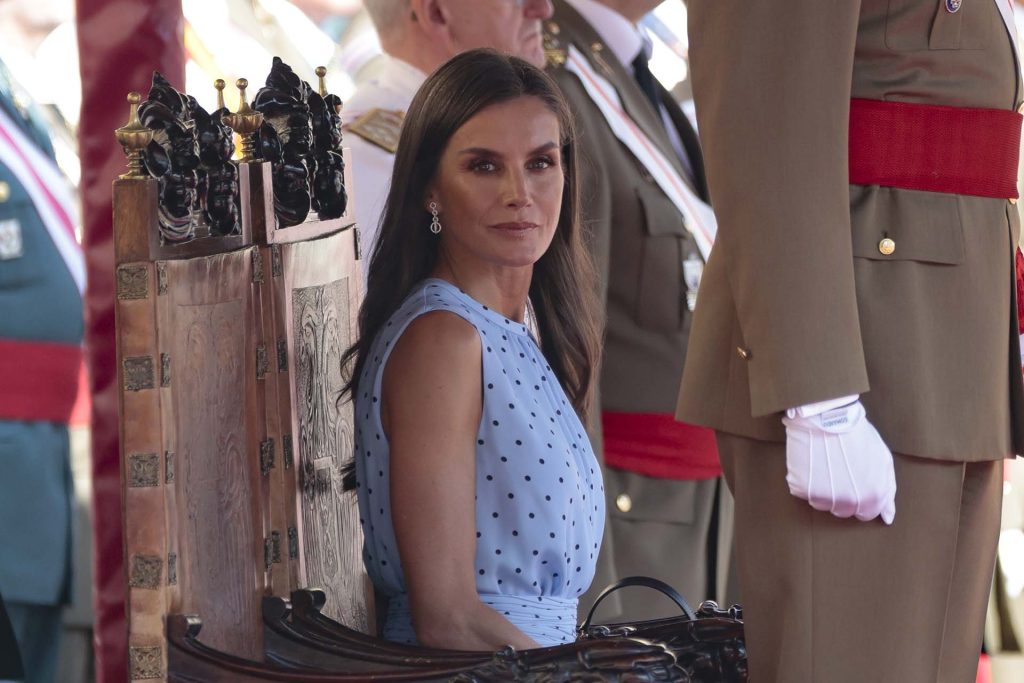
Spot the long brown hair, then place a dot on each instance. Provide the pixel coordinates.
(562, 289)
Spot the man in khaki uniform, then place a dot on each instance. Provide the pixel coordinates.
(861, 156)
(641, 161)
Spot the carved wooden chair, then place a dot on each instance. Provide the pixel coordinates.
(242, 549)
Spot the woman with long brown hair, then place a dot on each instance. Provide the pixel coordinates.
(480, 498)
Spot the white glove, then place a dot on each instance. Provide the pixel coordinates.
(837, 462)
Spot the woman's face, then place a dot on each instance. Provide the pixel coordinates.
(499, 186)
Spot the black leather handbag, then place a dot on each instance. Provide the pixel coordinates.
(708, 644)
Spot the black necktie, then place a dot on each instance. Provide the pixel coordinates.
(645, 79)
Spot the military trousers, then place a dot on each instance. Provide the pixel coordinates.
(829, 600)
(38, 630)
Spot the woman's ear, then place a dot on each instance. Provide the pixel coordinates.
(430, 197)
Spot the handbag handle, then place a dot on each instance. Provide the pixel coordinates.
(646, 582)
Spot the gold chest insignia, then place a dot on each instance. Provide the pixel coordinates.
(554, 51)
(381, 127)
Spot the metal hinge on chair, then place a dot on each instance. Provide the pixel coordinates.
(266, 456)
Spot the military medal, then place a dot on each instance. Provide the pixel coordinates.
(953, 6)
(11, 244)
(693, 269)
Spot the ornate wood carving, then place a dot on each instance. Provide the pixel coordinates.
(172, 569)
(143, 470)
(282, 355)
(161, 278)
(145, 536)
(610, 661)
(275, 547)
(165, 370)
(288, 453)
(169, 467)
(146, 571)
(132, 282)
(293, 543)
(709, 649)
(138, 373)
(262, 362)
(257, 266)
(145, 663)
(266, 456)
(216, 520)
(321, 332)
(276, 267)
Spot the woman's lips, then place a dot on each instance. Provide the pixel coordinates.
(518, 227)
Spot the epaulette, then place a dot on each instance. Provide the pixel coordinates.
(554, 49)
(381, 127)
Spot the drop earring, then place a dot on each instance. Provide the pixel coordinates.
(435, 224)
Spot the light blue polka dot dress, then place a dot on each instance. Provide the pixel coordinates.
(540, 498)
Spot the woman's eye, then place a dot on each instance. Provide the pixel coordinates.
(484, 166)
(541, 163)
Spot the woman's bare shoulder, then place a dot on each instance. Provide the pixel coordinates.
(437, 344)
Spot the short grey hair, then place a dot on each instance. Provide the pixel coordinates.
(385, 14)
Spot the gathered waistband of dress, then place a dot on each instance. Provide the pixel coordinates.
(548, 620)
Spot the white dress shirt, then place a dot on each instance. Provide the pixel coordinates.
(626, 41)
(393, 85)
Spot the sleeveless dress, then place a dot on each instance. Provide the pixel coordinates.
(540, 497)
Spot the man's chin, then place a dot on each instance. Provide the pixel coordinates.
(532, 50)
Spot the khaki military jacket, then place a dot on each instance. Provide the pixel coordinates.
(636, 235)
(798, 304)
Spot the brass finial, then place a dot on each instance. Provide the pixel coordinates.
(134, 137)
(321, 71)
(246, 121)
(219, 85)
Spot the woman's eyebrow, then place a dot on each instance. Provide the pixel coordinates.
(483, 151)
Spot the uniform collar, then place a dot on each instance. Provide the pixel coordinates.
(621, 36)
(391, 86)
(401, 75)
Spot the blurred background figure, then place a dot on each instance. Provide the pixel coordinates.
(646, 206)
(10, 658)
(37, 43)
(42, 277)
(333, 17)
(230, 39)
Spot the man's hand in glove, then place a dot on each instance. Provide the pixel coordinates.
(837, 462)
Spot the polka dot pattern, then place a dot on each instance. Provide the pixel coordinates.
(534, 471)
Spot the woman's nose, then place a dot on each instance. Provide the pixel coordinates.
(517, 191)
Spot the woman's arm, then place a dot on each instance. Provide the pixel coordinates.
(431, 408)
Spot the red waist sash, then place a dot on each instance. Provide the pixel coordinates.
(655, 445)
(957, 150)
(38, 380)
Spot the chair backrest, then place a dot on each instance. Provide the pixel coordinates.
(232, 437)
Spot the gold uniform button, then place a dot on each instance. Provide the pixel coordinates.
(745, 354)
(5, 191)
(886, 247)
(624, 502)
